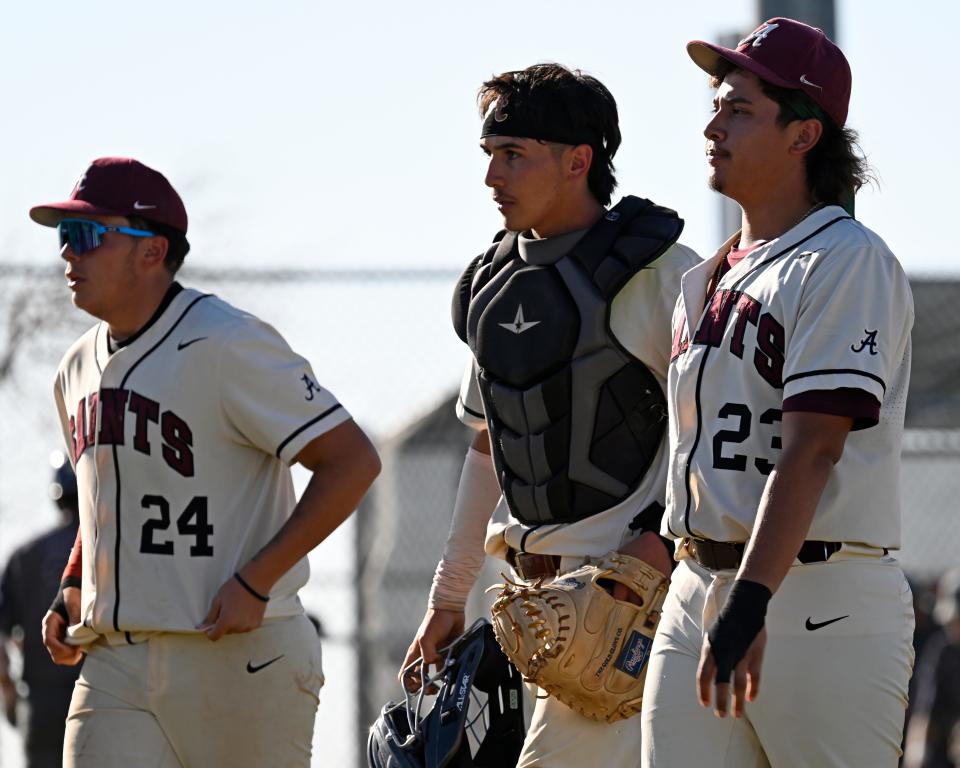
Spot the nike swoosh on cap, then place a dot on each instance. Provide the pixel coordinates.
(138, 206)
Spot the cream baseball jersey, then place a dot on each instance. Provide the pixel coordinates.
(182, 440)
(640, 320)
(826, 307)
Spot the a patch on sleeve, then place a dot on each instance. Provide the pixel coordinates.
(866, 344)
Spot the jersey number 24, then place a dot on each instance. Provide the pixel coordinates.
(191, 523)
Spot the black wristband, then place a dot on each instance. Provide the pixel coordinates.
(59, 606)
(251, 590)
(740, 621)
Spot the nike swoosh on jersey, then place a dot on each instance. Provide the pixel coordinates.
(812, 625)
(253, 669)
(185, 344)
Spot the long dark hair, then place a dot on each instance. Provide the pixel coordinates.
(836, 166)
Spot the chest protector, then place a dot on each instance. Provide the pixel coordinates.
(574, 419)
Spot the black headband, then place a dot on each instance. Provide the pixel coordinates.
(501, 120)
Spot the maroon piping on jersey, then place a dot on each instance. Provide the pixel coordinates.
(696, 440)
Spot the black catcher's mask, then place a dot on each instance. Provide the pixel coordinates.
(476, 720)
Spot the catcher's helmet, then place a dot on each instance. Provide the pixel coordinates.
(460, 730)
(63, 487)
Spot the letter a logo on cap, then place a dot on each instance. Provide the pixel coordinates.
(758, 36)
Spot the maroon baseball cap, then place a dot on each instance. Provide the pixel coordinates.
(789, 54)
(118, 186)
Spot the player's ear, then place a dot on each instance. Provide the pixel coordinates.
(154, 250)
(806, 134)
(579, 160)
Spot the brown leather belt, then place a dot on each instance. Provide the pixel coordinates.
(530, 565)
(724, 555)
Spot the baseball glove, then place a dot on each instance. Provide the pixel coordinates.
(578, 643)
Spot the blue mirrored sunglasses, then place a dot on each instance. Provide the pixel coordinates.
(84, 235)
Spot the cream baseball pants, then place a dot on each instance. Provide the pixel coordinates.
(833, 687)
(181, 700)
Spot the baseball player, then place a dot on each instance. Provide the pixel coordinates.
(787, 388)
(38, 703)
(933, 733)
(567, 318)
(182, 415)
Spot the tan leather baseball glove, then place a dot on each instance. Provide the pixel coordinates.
(574, 640)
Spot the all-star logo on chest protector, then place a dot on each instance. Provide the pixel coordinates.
(574, 419)
(519, 325)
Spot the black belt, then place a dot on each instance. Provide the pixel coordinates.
(531, 566)
(724, 555)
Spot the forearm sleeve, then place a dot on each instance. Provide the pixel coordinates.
(74, 568)
(477, 497)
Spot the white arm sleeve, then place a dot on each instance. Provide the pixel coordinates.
(477, 497)
(469, 402)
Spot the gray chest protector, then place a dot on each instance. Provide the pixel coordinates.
(574, 419)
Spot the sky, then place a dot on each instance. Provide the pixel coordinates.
(309, 134)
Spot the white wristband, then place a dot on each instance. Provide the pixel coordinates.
(477, 497)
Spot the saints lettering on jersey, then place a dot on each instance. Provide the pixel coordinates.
(742, 310)
(152, 426)
(764, 349)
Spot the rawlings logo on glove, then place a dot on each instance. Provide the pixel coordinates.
(578, 643)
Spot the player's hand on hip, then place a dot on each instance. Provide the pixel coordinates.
(233, 610)
(746, 678)
(649, 547)
(53, 629)
(438, 628)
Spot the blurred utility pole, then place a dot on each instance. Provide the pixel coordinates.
(816, 13)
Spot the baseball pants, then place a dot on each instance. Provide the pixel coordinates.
(559, 737)
(833, 687)
(181, 700)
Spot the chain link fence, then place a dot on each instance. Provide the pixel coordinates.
(381, 340)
